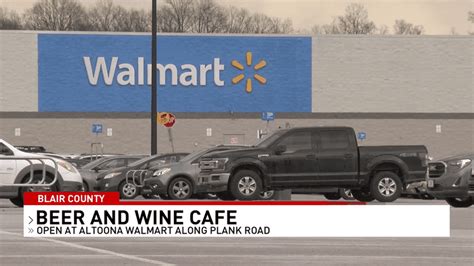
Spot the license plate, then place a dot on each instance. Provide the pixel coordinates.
(431, 183)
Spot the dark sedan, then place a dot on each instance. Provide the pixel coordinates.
(115, 179)
(90, 171)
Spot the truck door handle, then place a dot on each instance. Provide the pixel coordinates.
(311, 157)
(348, 155)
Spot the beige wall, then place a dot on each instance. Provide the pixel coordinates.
(132, 135)
(18, 71)
(407, 74)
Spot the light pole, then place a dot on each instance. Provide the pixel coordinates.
(154, 130)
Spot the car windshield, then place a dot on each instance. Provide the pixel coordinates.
(93, 163)
(269, 139)
(143, 160)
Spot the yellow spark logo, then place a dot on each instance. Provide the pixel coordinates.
(257, 77)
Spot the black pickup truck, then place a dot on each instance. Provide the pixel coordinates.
(314, 157)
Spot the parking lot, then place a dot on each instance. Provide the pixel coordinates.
(456, 250)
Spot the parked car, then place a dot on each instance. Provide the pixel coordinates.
(452, 179)
(90, 171)
(33, 149)
(115, 179)
(18, 171)
(83, 159)
(178, 181)
(315, 157)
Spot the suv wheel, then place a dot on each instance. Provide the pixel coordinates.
(386, 186)
(246, 185)
(18, 201)
(180, 189)
(362, 195)
(460, 203)
(128, 190)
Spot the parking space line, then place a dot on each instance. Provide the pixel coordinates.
(254, 256)
(98, 250)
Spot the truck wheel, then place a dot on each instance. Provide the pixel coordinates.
(346, 194)
(127, 190)
(180, 189)
(225, 195)
(460, 203)
(246, 185)
(332, 196)
(386, 186)
(362, 195)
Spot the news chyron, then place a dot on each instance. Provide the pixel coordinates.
(103, 214)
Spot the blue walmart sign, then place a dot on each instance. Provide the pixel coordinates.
(112, 73)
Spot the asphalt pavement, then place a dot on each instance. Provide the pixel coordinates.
(455, 250)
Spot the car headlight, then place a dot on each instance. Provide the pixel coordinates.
(108, 176)
(161, 171)
(217, 163)
(66, 166)
(460, 163)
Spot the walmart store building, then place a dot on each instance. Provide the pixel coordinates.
(395, 89)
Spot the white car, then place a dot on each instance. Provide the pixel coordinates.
(15, 171)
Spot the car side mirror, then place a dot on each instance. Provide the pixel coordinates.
(280, 149)
(96, 169)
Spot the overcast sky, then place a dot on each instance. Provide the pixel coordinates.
(437, 16)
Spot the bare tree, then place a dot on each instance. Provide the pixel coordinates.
(470, 17)
(181, 12)
(260, 23)
(165, 20)
(239, 20)
(139, 20)
(281, 26)
(9, 20)
(383, 30)
(402, 27)
(208, 17)
(453, 31)
(107, 16)
(331, 28)
(55, 15)
(103, 16)
(201, 16)
(356, 21)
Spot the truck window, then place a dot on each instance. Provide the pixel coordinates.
(334, 140)
(296, 142)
